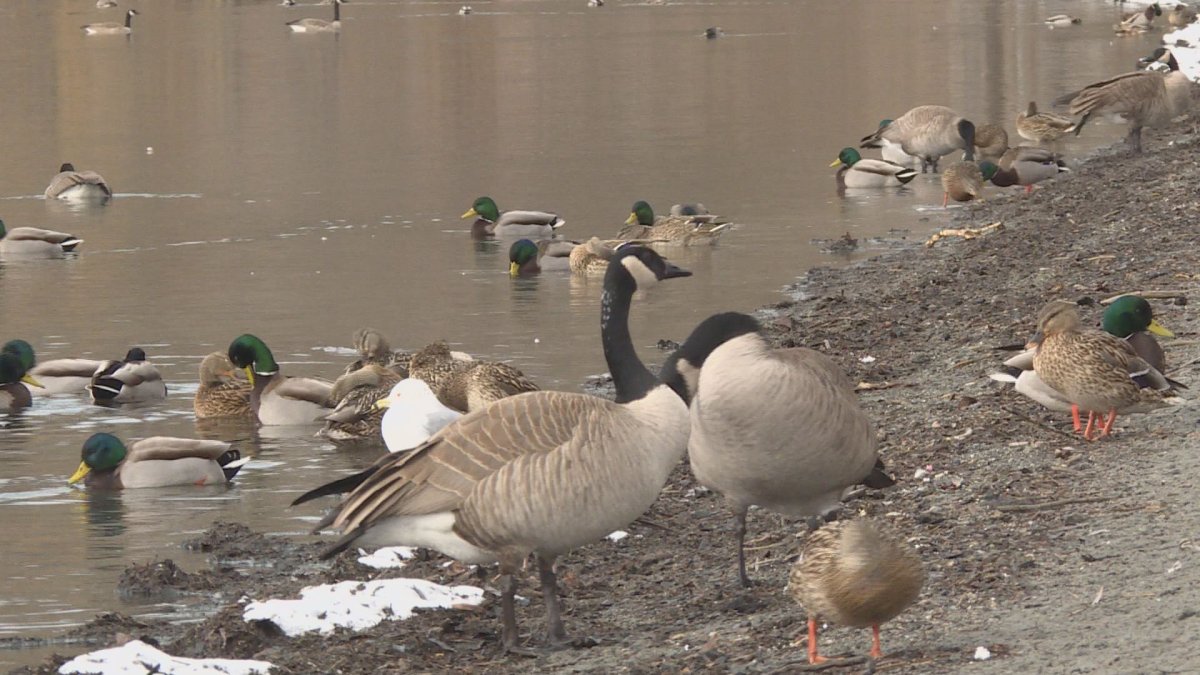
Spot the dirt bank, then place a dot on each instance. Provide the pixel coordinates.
(1055, 555)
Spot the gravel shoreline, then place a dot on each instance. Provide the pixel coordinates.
(1053, 554)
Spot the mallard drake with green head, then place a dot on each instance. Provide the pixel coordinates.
(527, 258)
(855, 574)
(681, 230)
(355, 417)
(928, 132)
(1043, 128)
(13, 378)
(60, 376)
(34, 242)
(132, 380)
(73, 185)
(490, 222)
(160, 461)
(1095, 371)
(276, 398)
(857, 172)
(221, 393)
(1026, 166)
(1129, 318)
(963, 181)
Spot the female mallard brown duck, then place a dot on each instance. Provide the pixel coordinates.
(1144, 98)
(991, 142)
(963, 181)
(221, 393)
(682, 230)
(372, 347)
(13, 378)
(854, 574)
(133, 380)
(928, 132)
(1129, 318)
(1095, 371)
(856, 172)
(161, 461)
(34, 242)
(355, 416)
(1043, 128)
(466, 385)
(490, 222)
(1026, 166)
(276, 398)
(749, 404)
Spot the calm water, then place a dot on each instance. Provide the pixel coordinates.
(301, 186)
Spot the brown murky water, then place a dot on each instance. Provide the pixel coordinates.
(301, 186)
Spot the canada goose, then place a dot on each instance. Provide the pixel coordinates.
(354, 416)
(75, 185)
(853, 573)
(489, 222)
(13, 378)
(893, 152)
(1129, 318)
(777, 428)
(464, 10)
(466, 385)
(60, 376)
(1139, 21)
(413, 414)
(111, 27)
(1145, 99)
(132, 380)
(160, 461)
(991, 141)
(34, 242)
(276, 398)
(372, 347)
(1095, 371)
(702, 230)
(714, 32)
(928, 132)
(319, 25)
(1062, 21)
(543, 472)
(1043, 127)
(1181, 15)
(221, 393)
(856, 172)
(963, 181)
(1026, 167)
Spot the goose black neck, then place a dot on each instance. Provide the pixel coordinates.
(337, 10)
(128, 24)
(632, 379)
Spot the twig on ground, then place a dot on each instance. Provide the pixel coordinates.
(1020, 508)
(1148, 294)
(1047, 427)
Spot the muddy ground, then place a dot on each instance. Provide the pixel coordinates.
(1056, 555)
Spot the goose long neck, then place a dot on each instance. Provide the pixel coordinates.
(337, 10)
(632, 379)
(128, 19)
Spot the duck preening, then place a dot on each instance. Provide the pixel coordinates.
(542, 472)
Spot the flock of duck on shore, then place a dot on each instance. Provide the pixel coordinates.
(485, 467)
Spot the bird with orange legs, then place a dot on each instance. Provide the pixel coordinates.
(856, 574)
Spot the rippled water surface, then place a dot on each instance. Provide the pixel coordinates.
(301, 186)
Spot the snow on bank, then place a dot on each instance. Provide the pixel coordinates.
(358, 605)
(1189, 56)
(388, 557)
(138, 657)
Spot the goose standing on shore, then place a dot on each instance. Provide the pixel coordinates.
(854, 574)
(928, 132)
(543, 472)
(893, 152)
(776, 428)
(319, 25)
(34, 242)
(1095, 371)
(75, 185)
(111, 27)
(276, 398)
(1145, 99)
(490, 222)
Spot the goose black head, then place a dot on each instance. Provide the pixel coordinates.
(681, 371)
(643, 266)
(135, 355)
